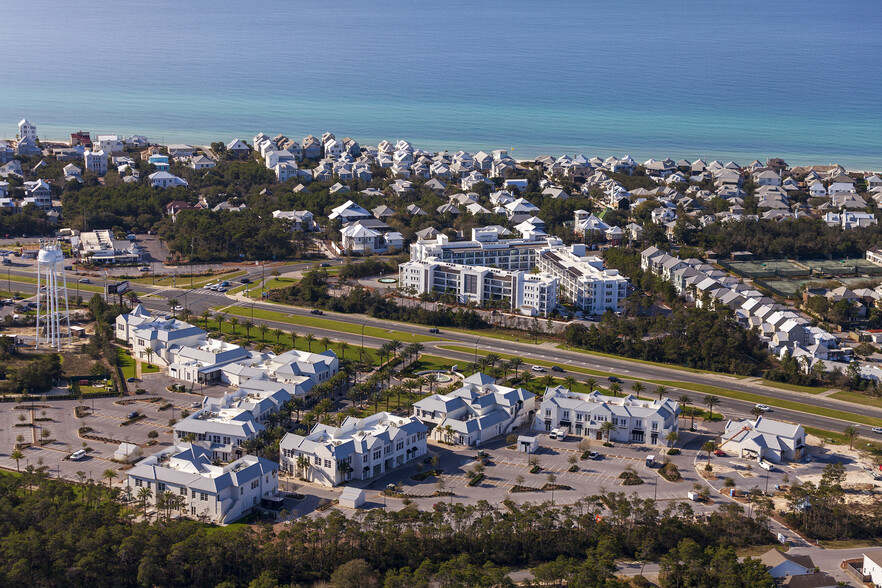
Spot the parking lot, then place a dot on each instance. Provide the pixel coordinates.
(105, 417)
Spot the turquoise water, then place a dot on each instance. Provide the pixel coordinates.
(723, 80)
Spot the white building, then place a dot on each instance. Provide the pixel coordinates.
(27, 130)
(764, 439)
(485, 248)
(109, 144)
(96, 162)
(163, 179)
(583, 281)
(301, 220)
(223, 424)
(531, 294)
(873, 566)
(220, 494)
(359, 449)
(99, 247)
(477, 412)
(634, 420)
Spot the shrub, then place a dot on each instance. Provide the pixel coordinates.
(630, 478)
(476, 480)
(670, 472)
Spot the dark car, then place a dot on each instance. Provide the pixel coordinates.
(133, 380)
(557, 368)
(133, 415)
(244, 281)
(614, 379)
(434, 330)
(324, 264)
(315, 311)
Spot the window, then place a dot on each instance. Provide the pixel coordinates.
(193, 494)
(203, 496)
(377, 454)
(255, 484)
(139, 482)
(470, 284)
(327, 463)
(160, 486)
(182, 492)
(318, 460)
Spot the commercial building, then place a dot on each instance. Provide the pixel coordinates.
(530, 294)
(359, 449)
(583, 281)
(633, 420)
(99, 247)
(477, 412)
(182, 479)
(484, 249)
(764, 439)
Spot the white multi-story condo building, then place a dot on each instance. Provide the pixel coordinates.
(477, 412)
(485, 249)
(634, 420)
(531, 294)
(220, 494)
(359, 449)
(95, 162)
(583, 281)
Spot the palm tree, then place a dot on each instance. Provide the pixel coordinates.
(615, 388)
(248, 324)
(591, 382)
(294, 336)
(526, 377)
(672, 437)
(343, 347)
(570, 383)
(220, 322)
(548, 381)
(263, 328)
(173, 304)
(144, 494)
(422, 381)
(234, 322)
(608, 428)
(309, 340)
(661, 391)
(206, 314)
(17, 455)
(326, 341)
(492, 359)
(394, 346)
(756, 411)
(303, 466)
(109, 474)
(430, 380)
(851, 434)
(711, 401)
(278, 333)
(637, 388)
(710, 447)
(516, 362)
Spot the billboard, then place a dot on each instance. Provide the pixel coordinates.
(119, 288)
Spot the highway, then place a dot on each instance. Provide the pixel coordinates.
(198, 300)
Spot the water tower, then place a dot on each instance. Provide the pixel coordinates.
(50, 274)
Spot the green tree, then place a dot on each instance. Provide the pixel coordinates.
(355, 573)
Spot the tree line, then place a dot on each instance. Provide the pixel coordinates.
(60, 533)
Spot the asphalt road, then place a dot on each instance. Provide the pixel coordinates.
(198, 300)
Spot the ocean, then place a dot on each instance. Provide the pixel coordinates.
(720, 80)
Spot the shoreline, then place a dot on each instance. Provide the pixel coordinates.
(467, 146)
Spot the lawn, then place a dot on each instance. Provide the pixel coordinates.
(655, 363)
(858, 398)
(426, 363)
(839, 439)
(794, 387)
(197, 281)
(329, 324)
(72, 284)
(254, 290)
(126, 363)
(285, 339)
(471, 350)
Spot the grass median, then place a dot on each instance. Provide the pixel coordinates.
(652, 363)
(794, 387)
(327, 324)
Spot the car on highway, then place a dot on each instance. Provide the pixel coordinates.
(763, 407)
(434, 330)
(84, 281)
(225, 284)
(557, 368)
(316, 311)
(68, 267)
(614, 379)
(222, 289)
(537, 368)
(144, 269)
(324, 264)
(719, 453)
(593, 455)
(877, 430)
(177, 308)
(245, 281)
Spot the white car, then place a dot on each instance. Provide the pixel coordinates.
(537, 368)
(765, 465)
(77, 455)
(877, 430)
(763, 407)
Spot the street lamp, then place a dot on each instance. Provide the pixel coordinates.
(476, 348)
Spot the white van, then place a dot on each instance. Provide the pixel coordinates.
(77, 455)
(765, 465)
